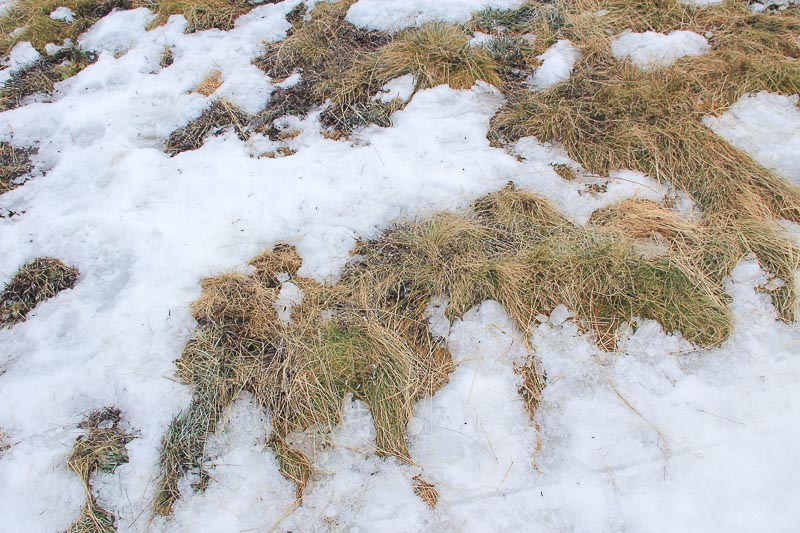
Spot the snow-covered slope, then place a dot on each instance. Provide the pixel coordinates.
(656, 437)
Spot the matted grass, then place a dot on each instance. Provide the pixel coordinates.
(367, 336)
(15, 163)
(100, 449)
(33, 283)
(217, 118)
(611, 115)
(42, 75)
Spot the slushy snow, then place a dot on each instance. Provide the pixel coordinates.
(654, 437)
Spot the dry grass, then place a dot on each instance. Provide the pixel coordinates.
(210, 84)
(533, 383)
(217, 118)
(347, 66)
(40, 29)
(33, 283)
(367, 336)
(14, 164)
(426, 491)
(42, 75)
(101, 449)
(200, 14)
(610, 116)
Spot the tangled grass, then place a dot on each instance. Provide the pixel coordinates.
(33, 283)
(218, 117)
(367, 336)
(100, 449)
(14, 164)
(42, 75)
(611, 115)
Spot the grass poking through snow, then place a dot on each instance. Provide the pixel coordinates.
(33, 283)
(368, 337)
(100, 449)
(15, 163)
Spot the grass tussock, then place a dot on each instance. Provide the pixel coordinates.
(200, 15)
(368, 337)
(33, 283)
(210, 83)
(347, 66)
(100, 449)
(29, 20)
(42, 76)
(611, 115)
(217, 118)
(15, 163)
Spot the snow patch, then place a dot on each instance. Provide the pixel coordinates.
(557, 64)
(401, 88)
(767, 128)
(22, 55)
(63, 14)
(651, 50)
(393, 15)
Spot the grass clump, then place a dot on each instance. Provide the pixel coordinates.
(42, 75)
(367, 336)
(33, 17)
(101, 449)
(611, 115)
(33, 283)
(200, 14)
(14, 164)
(217, 118)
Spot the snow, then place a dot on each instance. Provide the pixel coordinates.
(654, 437)
(651, 50)
(22, 55)
(63, 14)
(401, 88)
(767, 128)
(557, 64)
(393, 15)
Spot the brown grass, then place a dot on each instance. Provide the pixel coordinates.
(367, 336)
(40, 29)
(611, 116)
(101, 449)
(210, 84)
(218, 117)
(33, 283)
(200, 14)
(15, 163)
(426, 491)
(42, 75)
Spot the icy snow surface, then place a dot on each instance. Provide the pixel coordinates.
(655, 437)
(766, 127)
(651, 50)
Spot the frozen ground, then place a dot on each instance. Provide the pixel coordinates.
(655, 437)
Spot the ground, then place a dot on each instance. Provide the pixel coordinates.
(648, 433)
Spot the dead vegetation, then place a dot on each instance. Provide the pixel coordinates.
(41, 76)
(100, 449)
(200, 14)
(33, 283)
(367, 336)
(210, 84)
(611, 115)
(33, 17)
(15, 163)
(425, 491)
(220, 116)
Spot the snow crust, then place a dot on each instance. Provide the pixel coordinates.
(766, 127)
(393, 15)
(651, 50)
(655, 437)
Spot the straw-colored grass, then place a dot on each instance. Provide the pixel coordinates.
(100, 449)
(200, 14)
(210, 83)
(33, 283)
(367, 336)
(33, 16)
(611, 115)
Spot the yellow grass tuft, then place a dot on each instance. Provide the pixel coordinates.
(210, 84)
(200, 14)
